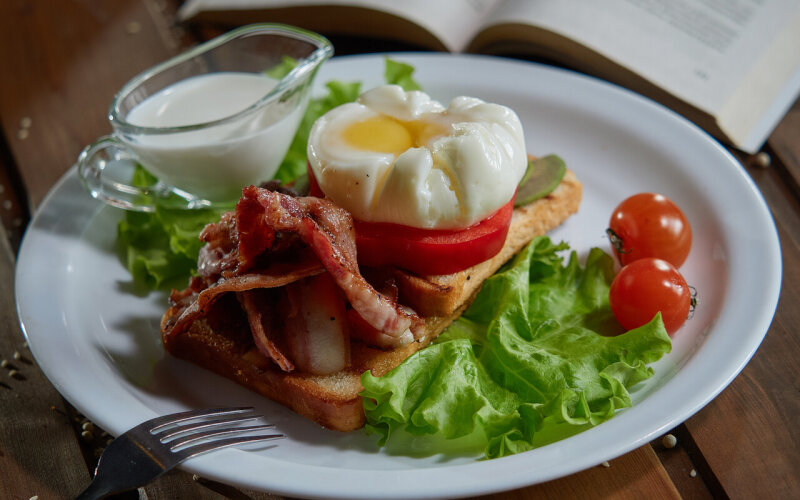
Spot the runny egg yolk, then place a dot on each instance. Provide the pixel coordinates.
(384, 134)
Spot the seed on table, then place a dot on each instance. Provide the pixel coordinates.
(763, 159)
(4, 363)
(606, 464)
(133, 28)
(669, 441)
(19, 357)
(15, 374)
(87, 436)
(693, 473)
(88, 426)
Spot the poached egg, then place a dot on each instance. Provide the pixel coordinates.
(401, 157)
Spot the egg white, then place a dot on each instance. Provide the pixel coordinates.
(452, 180)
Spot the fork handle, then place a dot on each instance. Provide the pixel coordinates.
(94, 491)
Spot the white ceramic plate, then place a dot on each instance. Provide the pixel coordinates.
(97, 339)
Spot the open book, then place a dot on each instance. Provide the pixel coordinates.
(730, 66)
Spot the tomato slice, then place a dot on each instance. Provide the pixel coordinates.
(432, 251)
(313, 187)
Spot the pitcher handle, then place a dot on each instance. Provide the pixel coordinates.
(95, 164)
(108, 154)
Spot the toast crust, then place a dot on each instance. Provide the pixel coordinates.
(217, 344)
(442, 295)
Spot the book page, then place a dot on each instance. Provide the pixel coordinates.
(454, 22)
(701, 51)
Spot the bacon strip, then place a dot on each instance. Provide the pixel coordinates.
(220, 255)
(278, 275)
(258, 316)
(328, 230)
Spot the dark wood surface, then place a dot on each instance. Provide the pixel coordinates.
(62, 61)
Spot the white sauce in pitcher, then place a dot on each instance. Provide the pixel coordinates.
(214, 162)
(201, 99)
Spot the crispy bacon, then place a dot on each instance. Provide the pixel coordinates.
(219, 256)
(328, 231)
(196, 305)
(258, 308)
(274, 240)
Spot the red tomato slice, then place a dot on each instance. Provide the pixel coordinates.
(313, 187)
(427, 251)
(432, 251)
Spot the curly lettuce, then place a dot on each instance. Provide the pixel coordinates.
(536, 358)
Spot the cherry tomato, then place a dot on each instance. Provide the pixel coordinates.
(432, 251)
(650, 225)
(645, 287)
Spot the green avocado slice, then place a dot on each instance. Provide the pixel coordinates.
(541, 178)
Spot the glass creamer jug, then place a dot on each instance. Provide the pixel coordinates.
(207, 122)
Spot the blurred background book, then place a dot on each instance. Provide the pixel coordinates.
(732, 67)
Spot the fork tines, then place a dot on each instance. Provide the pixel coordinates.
(157, 424)
(186, 428)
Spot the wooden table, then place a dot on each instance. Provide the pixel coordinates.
(60, 63)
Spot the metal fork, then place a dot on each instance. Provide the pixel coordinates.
(156, 446)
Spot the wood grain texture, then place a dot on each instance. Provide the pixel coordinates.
(690, 480)
(635, 475)
(13, 204)
(784, 143)
(68, 59)
(39, 453)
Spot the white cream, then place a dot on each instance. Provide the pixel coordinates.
(396, 156)
(214, 162)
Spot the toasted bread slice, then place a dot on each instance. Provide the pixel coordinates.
(443, 295)
(220, 341)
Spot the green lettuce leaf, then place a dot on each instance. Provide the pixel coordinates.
(536, 358)
(400, 73)
(160, 248)
(282, 69)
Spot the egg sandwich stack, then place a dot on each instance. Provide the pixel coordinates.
(412, 207)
